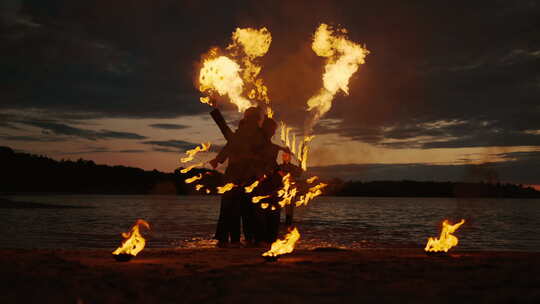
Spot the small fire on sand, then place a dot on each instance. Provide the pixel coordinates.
(281, 247)
(445, 241)
(133, 242)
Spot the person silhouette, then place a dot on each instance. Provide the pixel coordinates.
(241, 151)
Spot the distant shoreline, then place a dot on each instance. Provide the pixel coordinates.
(26, 174)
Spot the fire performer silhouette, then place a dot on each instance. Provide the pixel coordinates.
(241, 151)
(268, 219)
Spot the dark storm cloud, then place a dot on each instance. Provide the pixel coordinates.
(168, 126)
(27, 138)
(63, 129)
(483, 68)
(101, 150)
(179, 145)
(516, 169)
(430, 61)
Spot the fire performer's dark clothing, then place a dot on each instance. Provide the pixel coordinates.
(267, 220)
(242, 152)
(232, 207)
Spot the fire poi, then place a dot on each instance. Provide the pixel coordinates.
(282, 246)
(446, 240)
(132, 244)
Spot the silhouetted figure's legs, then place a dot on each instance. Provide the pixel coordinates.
(228, 228)
(289, 215)
(249, 221)
(272, 220)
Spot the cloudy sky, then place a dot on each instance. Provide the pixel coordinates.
(450, 91)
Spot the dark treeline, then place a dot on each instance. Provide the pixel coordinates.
(431, 189)
(27, 173)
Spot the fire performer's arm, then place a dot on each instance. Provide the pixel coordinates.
(222, 124)
(221, 157)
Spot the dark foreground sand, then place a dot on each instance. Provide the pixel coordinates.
(242, 276)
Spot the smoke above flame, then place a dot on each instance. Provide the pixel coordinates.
(343, 58)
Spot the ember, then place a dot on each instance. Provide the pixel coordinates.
(446, 240)
(133, 242)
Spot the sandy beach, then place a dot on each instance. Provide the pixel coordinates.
(243, 276)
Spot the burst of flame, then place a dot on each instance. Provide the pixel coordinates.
(193, 178)
(264, 205)
(225, 188)
(446, 240)
(190, 154)
(222, 75)
(343, 58)
(254, 43)
(208, 191)
(198, 187)
(186, 170)
(286, 245)
(257, 199)
(251, 187)
(229, 77)
(133, 241)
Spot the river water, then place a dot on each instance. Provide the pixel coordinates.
(349, 222)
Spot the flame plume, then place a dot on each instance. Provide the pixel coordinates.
(343, 58)
(236, 73)
(222, 75)
(446, 240)
(286, 245)
(133, 241)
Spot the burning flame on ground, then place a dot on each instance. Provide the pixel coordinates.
(133, 241)
(225, 188)
(286, 245)
(343, 58)
(190, 154)
(193, 178)
(446, 240)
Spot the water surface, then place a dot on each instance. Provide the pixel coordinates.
(350, 222)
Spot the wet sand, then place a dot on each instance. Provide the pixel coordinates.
(243, 276)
